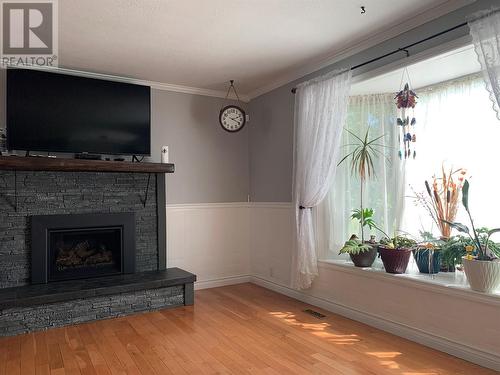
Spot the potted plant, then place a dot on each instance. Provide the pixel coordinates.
(441, 202)
(481, 264)
(395, 253)
(452, 252)
(365, 151)
(428, 254)
(362, 254)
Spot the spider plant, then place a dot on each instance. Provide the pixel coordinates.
(364, 151)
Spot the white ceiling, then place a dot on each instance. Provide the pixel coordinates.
(457, 63)
(203, 44)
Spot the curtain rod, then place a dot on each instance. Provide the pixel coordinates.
(403, 49)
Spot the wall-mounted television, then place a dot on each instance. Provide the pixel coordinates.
(57, 112)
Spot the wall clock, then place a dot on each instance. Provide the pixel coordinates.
(232, 118)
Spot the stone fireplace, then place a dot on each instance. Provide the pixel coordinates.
(78, 246)
(83, 240)
(25, 195)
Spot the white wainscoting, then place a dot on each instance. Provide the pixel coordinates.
(240, 242)
(271, 241)
(210, 240)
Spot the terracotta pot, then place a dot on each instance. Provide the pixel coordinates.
(366, 258)
(483, 275)
(395, 261)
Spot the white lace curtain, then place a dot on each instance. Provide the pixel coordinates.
(485, 31)
(321, 107)
(383, 193)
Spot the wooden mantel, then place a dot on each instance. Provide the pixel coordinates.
(20, 163)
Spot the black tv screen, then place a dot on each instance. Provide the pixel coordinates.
(56, 112)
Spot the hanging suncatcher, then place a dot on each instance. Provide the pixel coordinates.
(406, 99)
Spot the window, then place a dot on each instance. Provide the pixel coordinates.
(456, 127)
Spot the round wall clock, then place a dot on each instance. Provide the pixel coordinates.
(232, 118)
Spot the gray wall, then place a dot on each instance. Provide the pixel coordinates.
(211, 165)
(271, 133)
(271, 147)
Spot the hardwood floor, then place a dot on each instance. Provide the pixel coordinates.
(240, 329)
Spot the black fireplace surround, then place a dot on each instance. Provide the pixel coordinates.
(78, 246)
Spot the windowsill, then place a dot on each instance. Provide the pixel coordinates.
(449, 283)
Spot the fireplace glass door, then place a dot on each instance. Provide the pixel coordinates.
(84, 253)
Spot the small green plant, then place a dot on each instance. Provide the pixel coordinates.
(481, 247)
(398, 242)
(453, 250)
(365, 217)
(354, 246)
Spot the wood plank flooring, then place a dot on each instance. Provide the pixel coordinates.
(240, 329)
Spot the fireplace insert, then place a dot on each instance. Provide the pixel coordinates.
(68, 247)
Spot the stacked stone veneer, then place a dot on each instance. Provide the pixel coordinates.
(18, 320)
(47, 193)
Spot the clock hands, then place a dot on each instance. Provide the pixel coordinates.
(236, 121)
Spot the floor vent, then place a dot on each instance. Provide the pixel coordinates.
(315, 314)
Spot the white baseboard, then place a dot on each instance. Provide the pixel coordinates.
(456, 349)
(223, 281)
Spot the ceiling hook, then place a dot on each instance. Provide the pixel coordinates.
(363, 10)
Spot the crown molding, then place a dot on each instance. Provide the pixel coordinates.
(196, 91)
(153, 84)
(394, 31)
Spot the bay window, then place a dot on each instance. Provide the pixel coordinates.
(456, 128)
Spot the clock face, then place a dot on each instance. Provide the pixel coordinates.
(232, 118)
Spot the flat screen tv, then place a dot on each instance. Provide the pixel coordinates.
(56, 112)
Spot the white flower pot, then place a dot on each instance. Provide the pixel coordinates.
(483, 275)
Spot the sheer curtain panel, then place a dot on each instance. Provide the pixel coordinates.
(485, 31)
(456, 129)
(320, 113)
